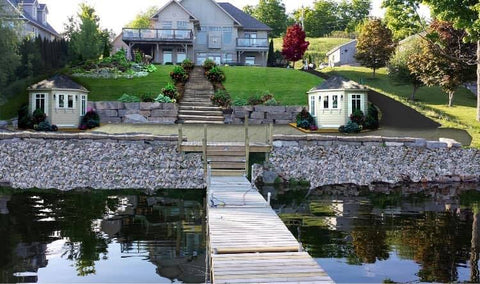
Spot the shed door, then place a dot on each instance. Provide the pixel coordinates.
(40, 101)
(356, 101)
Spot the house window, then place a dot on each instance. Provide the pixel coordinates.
(83, 110)
(356, 102)
(312, 105)
(182, 24)
(325, 102)
(250, 60)
(181, 55)
(250, 35)
(40, 101)
(335, 101)
(65, 101)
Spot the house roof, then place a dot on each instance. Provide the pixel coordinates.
(340, 46)
(58, 82)
(35, 22)
(178, 3)
(338, 83)
(246, 21)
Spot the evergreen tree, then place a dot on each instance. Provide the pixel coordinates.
(85, 36)
(9, 58)
(271, 55)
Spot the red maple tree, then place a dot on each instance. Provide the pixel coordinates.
(294, 44)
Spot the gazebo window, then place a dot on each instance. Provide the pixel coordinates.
(356, 102)
(312, 105)
(65, 101)
(335, 101)
(40, 102)
(326, 104)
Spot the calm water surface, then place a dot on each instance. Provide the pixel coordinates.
(102, 237)
(404, 236)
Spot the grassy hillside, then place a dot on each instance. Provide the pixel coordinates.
(431, 101)
(318, 46)
(112, 89)
(288, 86)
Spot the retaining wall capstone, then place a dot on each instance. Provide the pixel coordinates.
(261, 114)
(68, 161)
(366, 161)
(118, 112)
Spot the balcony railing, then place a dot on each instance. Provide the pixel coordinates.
(252, 42)
(157, 34)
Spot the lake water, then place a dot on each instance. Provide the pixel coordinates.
(404, 236)
(102, 237)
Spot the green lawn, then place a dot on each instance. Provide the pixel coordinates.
(112, 89)
(318, 47)
(431, 101)
(287, 85)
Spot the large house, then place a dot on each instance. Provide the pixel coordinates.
(32, 14)
(201, 29)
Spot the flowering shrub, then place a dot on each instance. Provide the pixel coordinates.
(170, 91)
(90, 120)
(221, 98)
(179, 75)
(306, 121)
(209, 64)
(188, 65)
(215, 75)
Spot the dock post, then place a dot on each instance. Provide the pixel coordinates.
(180, 138)
(247, 145)
(204, 148)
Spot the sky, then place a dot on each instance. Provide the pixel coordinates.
(114, 14)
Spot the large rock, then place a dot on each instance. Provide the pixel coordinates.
(109, 105)
(132, 106)
(135, 118)
(150, 106)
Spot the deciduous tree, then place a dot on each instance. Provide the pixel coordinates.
(398, 65)
(402, 18)
(374, 45)
(9, 58)
(142, 19)
(434, 65)
(271, 13)
(294, 44)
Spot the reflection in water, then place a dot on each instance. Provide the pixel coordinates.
(97, 237)
(406, 235)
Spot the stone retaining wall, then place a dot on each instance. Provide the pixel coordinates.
(118, 112)
(263, 114)
(366, 161)
(68, 161)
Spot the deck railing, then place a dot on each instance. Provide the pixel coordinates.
(252, 42)
(157, 34)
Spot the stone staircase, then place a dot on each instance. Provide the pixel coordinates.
(196, 107)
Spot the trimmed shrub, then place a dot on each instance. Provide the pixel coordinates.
(170, 91)
(45, 126)
(358, 117)
(371, 120)
(179, 75)
(221, 98)
(215, 75)
(239, 102)
(38, 116)
(350, 127)
(126, 98)
(209, 64)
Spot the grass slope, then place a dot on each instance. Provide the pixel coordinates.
(288, 86)
(112, 89)
(430, 101)
(318, 47)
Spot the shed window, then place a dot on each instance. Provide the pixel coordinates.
(40, 102)
(61, 101)
(335, 101)
(65, 101)
(312, 105)
(356, 102)
(326, 102)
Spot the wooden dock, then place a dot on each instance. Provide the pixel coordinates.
(248, 242)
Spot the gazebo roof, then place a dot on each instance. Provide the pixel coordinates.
(339, 83)
(58, 82)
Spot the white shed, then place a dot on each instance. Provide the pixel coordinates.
(332, 102)
(62, 100)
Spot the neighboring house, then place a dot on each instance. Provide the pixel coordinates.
(332, 102)
(61, 99)
(201, 29)
(343, 54)
(118, 44)
(34, 17)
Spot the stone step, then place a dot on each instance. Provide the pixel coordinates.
(201, 112)
(217, 173)
(196, 103)
(201, 117)
(201, 122)
(206, 108)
